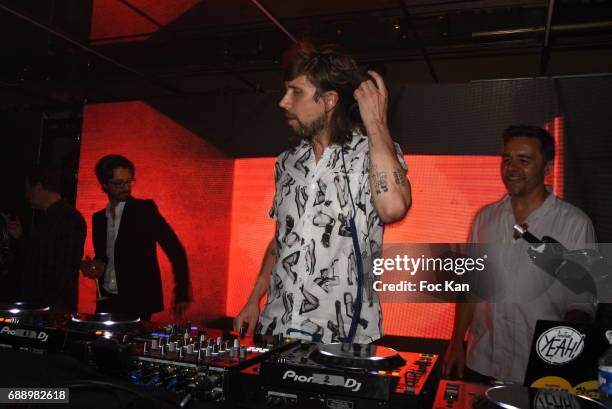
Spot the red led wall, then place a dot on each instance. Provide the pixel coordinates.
(190, 180)
(218, 207)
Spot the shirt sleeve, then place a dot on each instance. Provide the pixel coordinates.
(473, 236)
(172, 246)
(67, 254)
(273, 212)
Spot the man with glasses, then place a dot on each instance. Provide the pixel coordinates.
(125, 238)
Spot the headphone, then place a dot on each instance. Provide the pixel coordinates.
(358, 259)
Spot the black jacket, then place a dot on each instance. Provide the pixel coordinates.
(136, 266)
(53, 254)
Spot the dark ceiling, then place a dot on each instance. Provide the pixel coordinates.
(62, 52)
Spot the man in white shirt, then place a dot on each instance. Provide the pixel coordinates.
(500, 333)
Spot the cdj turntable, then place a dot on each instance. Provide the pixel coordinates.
(344, 376)
(520, 397)
(26, 314)
(465, 395)
(30, 327)
(106, 324)
(189, 364)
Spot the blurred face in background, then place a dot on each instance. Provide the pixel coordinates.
(34, 194)
(119, 187)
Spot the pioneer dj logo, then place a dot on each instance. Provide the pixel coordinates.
(349, 383)
(25, 333)
(560, 345)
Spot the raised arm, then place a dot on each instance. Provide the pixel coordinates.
(389, 185)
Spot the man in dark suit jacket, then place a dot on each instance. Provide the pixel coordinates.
(125, 238)
(52, 248)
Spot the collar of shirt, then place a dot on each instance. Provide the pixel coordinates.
(355, 144)
(549, 202)
(118, 212)
(356, 137)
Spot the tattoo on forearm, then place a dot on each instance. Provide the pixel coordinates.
(400, 178)
(379, 179)
(380, 182)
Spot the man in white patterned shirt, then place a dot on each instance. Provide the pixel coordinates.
(335, 188)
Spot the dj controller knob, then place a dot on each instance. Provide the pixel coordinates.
(162, 350)
(210, 382)
(180, 353)
(272, 400)
(167, 378)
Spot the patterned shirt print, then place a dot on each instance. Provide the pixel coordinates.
(313, 284)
